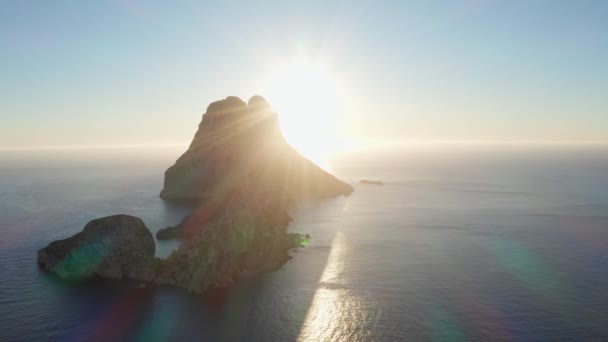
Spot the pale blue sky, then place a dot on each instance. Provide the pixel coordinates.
(142, 72)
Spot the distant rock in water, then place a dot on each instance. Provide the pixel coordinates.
(371, 182)
(240, 146)
(119, 247)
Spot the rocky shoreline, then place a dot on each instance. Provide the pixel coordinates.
(245, 177)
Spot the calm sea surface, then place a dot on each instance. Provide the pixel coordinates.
(461, 243)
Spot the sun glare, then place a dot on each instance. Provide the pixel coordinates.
(309, 101)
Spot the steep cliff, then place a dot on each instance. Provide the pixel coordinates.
(239, 145)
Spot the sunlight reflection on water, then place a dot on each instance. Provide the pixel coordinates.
(470, 245)
(334, 307)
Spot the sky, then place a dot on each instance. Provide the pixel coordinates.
(84, 73)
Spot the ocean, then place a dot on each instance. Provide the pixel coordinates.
(463, 242)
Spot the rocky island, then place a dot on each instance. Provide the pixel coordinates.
(244, 177)
(118, 246)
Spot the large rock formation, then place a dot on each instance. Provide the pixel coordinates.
(118, 246)
(239, 146)
(245, 176)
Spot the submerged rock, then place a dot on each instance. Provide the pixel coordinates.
(118, 246)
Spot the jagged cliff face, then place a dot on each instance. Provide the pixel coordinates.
(238, 148)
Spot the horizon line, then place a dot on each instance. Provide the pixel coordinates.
(357, 143)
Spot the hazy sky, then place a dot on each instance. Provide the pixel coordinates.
(143, 72)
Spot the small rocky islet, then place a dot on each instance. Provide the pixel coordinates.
(371, 182)
(244, 177)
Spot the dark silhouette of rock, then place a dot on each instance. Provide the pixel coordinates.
(118, 246)
(238, 144)
(246, 237)
(371, 182)
(240, 243)
(172, 232)
(210, 210)
(168, 233)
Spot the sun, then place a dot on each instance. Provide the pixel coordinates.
(310, 102)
